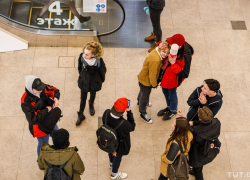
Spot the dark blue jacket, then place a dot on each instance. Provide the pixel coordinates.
(214, 103)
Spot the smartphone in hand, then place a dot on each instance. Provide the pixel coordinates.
(128, 103)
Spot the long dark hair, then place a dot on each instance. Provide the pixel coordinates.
(181, 131)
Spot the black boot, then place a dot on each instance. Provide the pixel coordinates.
(81, 117)
(191, 171)
(83, 19)
(91, 109)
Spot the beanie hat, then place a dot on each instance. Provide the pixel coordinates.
(205, 114)
(120, 106)
(176, 39)
(60, 138)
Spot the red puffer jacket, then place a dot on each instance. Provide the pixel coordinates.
(175, 74)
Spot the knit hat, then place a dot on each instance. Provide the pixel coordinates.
(38, 84)
(176, 39)
(119, 107)
(205, 114)
(60, 138)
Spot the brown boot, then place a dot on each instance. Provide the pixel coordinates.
(151, 49)
(152, 37)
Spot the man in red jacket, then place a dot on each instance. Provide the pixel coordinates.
(174, 71)
(40, 106)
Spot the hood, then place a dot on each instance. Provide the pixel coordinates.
(211, 130)
(57, 157)
(28, 84)
(219, 94)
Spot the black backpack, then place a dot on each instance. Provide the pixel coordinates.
(179, 169)
(56, 172)
(209, 150)
(107, 139)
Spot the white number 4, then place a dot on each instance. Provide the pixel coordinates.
(57, 10)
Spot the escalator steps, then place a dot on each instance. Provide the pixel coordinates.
(21, 12)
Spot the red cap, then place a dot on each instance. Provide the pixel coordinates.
(120, 106)
(176, 39)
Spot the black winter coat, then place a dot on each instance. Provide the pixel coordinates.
(156, 4)
(214, 104)
(91, 77)
(209, 130)
(123, 131)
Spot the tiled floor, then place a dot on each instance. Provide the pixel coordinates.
(220, 53)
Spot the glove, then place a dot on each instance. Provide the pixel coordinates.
(146, 9)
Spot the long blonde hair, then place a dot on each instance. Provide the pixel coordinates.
(95, 48)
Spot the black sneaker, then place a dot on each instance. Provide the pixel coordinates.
(163, 112)
(81, 117)
(169, 115)
(91, 109)
(146, 118)
(83, 19)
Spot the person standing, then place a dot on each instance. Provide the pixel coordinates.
(114, 118)
(92, 70)
(206, 128)
(208, 95)
(60, 153)
(173, 74)
(148, 78)
(182, 133)
(40, 105)
(155, 9)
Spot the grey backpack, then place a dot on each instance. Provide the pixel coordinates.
(56, 172)
(179, 169)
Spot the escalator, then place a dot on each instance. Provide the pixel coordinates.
(23, 14)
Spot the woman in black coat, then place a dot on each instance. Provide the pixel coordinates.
(92, 70)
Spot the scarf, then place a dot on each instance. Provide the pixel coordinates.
(91, 62)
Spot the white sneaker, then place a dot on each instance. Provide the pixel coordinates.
(120, 175)
(146, 118)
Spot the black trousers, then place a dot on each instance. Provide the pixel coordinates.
(116, 161)
(198, 173)
(143, 97)
(155, 15)
(84, 98)
(161, 177)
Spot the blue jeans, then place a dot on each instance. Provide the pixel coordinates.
(171, 98)
(44, 139)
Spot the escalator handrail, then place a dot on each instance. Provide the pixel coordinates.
(123, 19)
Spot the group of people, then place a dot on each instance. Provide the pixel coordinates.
(40, 104)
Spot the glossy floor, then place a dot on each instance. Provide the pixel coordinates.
(220, 53)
